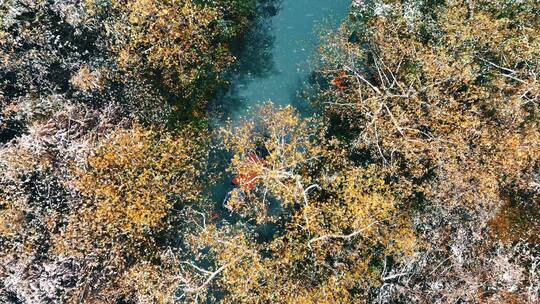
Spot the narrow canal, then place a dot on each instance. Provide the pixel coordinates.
(274, 56)
(273, 63)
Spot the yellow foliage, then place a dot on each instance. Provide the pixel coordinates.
(128, 191)
(136, 175)
(176, 38)
(335, 216)
(448, 100)
(292, 150)
(11, 219)
(87, 80)
(150, 283)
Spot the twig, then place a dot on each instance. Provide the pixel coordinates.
(341, 236)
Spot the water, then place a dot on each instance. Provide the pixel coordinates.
(273, 64)
(273, 61)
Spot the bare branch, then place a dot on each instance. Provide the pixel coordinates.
(341, 236)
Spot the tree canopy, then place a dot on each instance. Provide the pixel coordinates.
(415, 180)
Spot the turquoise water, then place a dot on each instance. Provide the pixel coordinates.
(273, 64)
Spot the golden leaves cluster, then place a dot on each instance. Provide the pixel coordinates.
(135, 177)
(128, 191)
(176, 39)
(449, 98)
(287, 151)
(335, 216)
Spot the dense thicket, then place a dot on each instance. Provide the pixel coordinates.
(417, 182)
(335, 225)
(94, 181)
(444, 96)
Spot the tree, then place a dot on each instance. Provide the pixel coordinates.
(444, 97)
(180, 46)
(63, 85)
(336, 224)
(131, 189)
